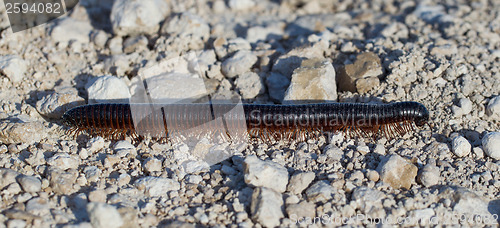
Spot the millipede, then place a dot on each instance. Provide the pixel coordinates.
(264, 121)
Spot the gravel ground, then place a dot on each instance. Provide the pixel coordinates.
(443, 54)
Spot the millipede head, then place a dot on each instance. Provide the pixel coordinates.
(422, 115)
(71, 117)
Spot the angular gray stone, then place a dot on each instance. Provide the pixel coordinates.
(314, 80)
(266, 207)
(267, 174)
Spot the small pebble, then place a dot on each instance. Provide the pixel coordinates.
(460, 146)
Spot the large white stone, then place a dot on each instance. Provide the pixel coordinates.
(491, 145)
(493, 108)
(106, 88)
(268, 174)
(266, 207)
(69, 29)
(133, 17)
(314, 80)
(104, 215)
(156, 186)
(13, 67)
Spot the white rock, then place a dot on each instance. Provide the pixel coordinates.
(300, 181)
(92, 173)
(466, 105)
(314, 80)
(491, 145)
(366, 198)
(38, 206)
(320, 191)
(156, 186)
(132, 17)
(266, 207)
(62, 181)
(64, 161)
(106, 88)
(493, 108)
(152, 165)
(172, 86)
(267, 174)
(397, 172)
(7, 177)
(16, 223)
(333, 152)
(70, 29)
(194, 179)
(191, 29)
(460, 146)
(258, 33)
(429, 175)
(303, 209)
(55, 104)
(13, 67)
(95, 144)
(123, 145)
(102, 215)
(277, 85)
(22, 132)
(29, 183)
(239, 63)
(250, 85)
(287, 63)
(241, 4)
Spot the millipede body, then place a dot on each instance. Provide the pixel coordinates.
(255, 120)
